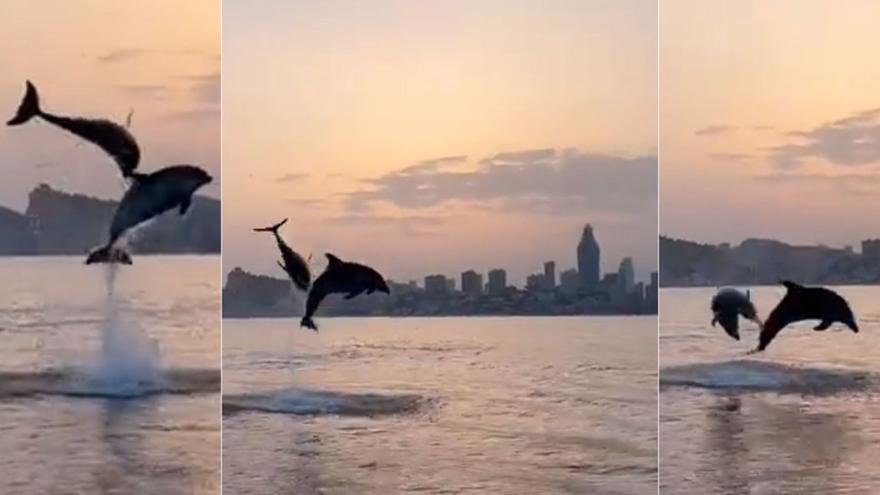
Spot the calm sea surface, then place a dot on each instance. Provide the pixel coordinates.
(440, 405)
(110, 393)
(801, 417)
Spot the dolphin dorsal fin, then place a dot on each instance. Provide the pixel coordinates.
(749, 294)
(332, 259)
(791, 285)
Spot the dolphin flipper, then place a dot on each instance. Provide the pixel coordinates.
(353, 294)
(823, 325)
(185, 204)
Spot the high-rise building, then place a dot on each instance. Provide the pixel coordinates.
(534, 281)
(588, 259)
(626, 275)
(550, 275)
(569, 281)
(871, 247)
(435, 285)
(472, 282)
(651, 293)
(497, 282)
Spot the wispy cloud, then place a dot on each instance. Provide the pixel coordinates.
(149, 91)
(293, 177)
(413, 225)
(195, 114)
(851, 141)
(539, 181)
(714, 130)
(120, 55)
(847, 183)
(731, 157)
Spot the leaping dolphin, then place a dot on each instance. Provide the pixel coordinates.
(149, 196)
(806, 303)
(292, 263)
(111, 137)
(728, 305)
(346, 277)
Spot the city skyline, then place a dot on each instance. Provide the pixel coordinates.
(418, 137)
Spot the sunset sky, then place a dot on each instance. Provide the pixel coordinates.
(95, 58)
(770, 120)
(434, 137)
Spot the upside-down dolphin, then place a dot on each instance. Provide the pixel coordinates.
(806, 303)
(111, 137)
(149, 196)
(344, 277)
(291, 262)
(728, 305)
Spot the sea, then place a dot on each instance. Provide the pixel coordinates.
(801, 417)
(110, 376)
(447, 405)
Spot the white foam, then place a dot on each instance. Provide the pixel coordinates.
(128, 360)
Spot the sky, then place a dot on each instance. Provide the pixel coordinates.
(100, 59)
(436, 137)
(770, 120)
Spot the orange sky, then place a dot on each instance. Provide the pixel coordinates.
(767, 127)
(327, 104)
(97, 58)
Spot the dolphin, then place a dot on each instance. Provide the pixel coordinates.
(149, 196)
(294, 264)
(111, 137)
(349, 278)
(728, 305)
(806, 303)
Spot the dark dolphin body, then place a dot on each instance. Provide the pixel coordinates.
(806, 303)
(111, 137)
(342, 277)
(149, 196)
(728, 305)
(292, 263)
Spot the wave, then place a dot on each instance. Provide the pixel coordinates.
(79, 383)
(321, 402)
(751, 375)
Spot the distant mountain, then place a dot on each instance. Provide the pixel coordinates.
(246, 295)
(57, 223)
(761, 262)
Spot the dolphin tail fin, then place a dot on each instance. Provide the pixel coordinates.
(308, 323)
(108, 254)
(272, 228)
(790, 285)
(29, 108)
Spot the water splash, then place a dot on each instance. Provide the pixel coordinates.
(128, 362)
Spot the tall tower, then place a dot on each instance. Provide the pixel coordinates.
(588, 259)
(550, 274)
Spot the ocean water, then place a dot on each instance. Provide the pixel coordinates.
(106, 392)
(440, 405)
(802, 417)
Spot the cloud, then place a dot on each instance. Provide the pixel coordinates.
(292, 178)
(306, 202)
(866, 183)
(120, 55)
(195, 114)
(851, 141)
(731, 157)
(149, 91)
(714, 130)
(206, 87)
(434, 164)
(412, 225)
(538, 181)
